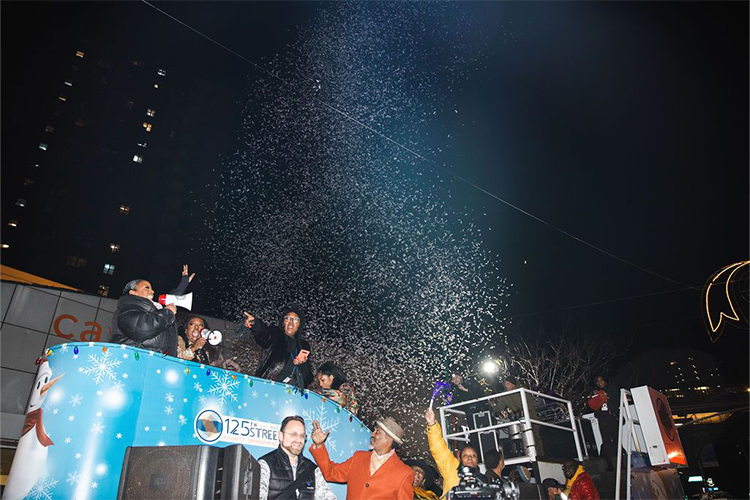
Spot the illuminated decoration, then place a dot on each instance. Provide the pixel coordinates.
(722, 300)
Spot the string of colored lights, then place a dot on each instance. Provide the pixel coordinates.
(443, 167)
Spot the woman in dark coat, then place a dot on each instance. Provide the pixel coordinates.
(140, 322)
(285, 352)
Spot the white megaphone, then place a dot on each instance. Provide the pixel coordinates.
(212, 336)
(185, 301)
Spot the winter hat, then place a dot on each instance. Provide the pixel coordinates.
(392, 429)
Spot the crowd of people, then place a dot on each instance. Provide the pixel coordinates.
(379, 473)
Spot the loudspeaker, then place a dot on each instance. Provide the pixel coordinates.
(175, 472)
(240, 476)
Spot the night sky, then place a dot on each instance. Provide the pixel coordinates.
(624, 124)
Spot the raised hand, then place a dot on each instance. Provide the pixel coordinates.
(318, 436)
(172, 308)
(248, 319)
(199, 344)
(429, 415)
(185, 273)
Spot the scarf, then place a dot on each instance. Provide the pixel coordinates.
(34, 418)
(569, 484)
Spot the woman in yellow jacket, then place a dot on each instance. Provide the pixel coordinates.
(448, 464)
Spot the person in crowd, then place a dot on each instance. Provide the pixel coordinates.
(605, 401)
(513, 406)
(285, 353)
(140, 322)
(494, 462)
(334, 386)
(424, 480)
(285, 473)
(466, 389)
(553, 488)
(579, 485)
(192, 346)
(448, 464)
(369, 475)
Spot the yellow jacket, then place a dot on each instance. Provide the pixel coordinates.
(447, 464)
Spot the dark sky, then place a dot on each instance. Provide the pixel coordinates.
(622, 123)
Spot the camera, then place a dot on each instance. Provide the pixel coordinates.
(470, 486)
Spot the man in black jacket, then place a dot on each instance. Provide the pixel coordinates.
(285, 352)
(285, 466)
(140, 322)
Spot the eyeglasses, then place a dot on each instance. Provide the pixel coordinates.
(294, 435)
(293, 319)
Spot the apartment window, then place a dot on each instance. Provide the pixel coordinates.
(49, 129)
(13, 223)
(62, 98)
(36, 165)
(109, 269)
(20, 202)
(147, 126)
(138, 159)
(28, 182)
(124, 210)
(142, 144)
(103, 290)
(161, 72)
(5, 245)
(43, 146)
(114, 247)
(79, 123)
(68, 83)
(156, 85)
(151, 112)
(79, 53)
(76, 261)
(130, 104)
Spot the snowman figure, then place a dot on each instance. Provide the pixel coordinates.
(30, 460)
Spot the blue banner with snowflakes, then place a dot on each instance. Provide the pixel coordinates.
(91, 401)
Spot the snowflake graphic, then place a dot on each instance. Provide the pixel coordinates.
(231, 414)
(183, 420)
(101, 367)
(94, 485)
(75, 400)
(197, 387)
(42, 490)
(147, 428)
(169, 397)
(326, 424)
(163, 428)
(119, 435)
(65, 347)
(67, 440)
(97, 428)
(78, 456)
(117, 386)
(254, 394)
(71, 418)
(124, 375)
(202, 399)
(100, 392)
(168, 410)
(54, 412)
(99, 414)
(273, 403)
(125, 355)
(73, 478)
(223, 386)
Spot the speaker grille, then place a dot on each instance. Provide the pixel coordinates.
(161, 472)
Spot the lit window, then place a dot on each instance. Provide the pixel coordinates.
(68, 83)
(79, 53)
(124, 210)
(151, 112)
(20, 202)
(28, 182)
(62, 98)
(130, 104)
(109, 269)
(49, 129)
(142, 144)
(156, 85)
(114, 247)
(103, 290)
(36, 165)
(147, 126)
(79, 123)
(138, 159)
(13, 223)
(161, 72)
(43, 146)
(5, 245)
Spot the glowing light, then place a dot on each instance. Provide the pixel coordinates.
(490, 367)
(716, 281)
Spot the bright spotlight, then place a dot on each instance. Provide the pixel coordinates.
(489, 367)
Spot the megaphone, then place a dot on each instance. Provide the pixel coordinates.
(185, 301)
(213, 336)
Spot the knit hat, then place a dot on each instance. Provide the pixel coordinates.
(392, 429)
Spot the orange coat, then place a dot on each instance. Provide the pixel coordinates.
(392, 481)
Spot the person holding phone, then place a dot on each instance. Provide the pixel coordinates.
(285, 356)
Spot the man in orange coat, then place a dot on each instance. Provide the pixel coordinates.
(369, 475)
